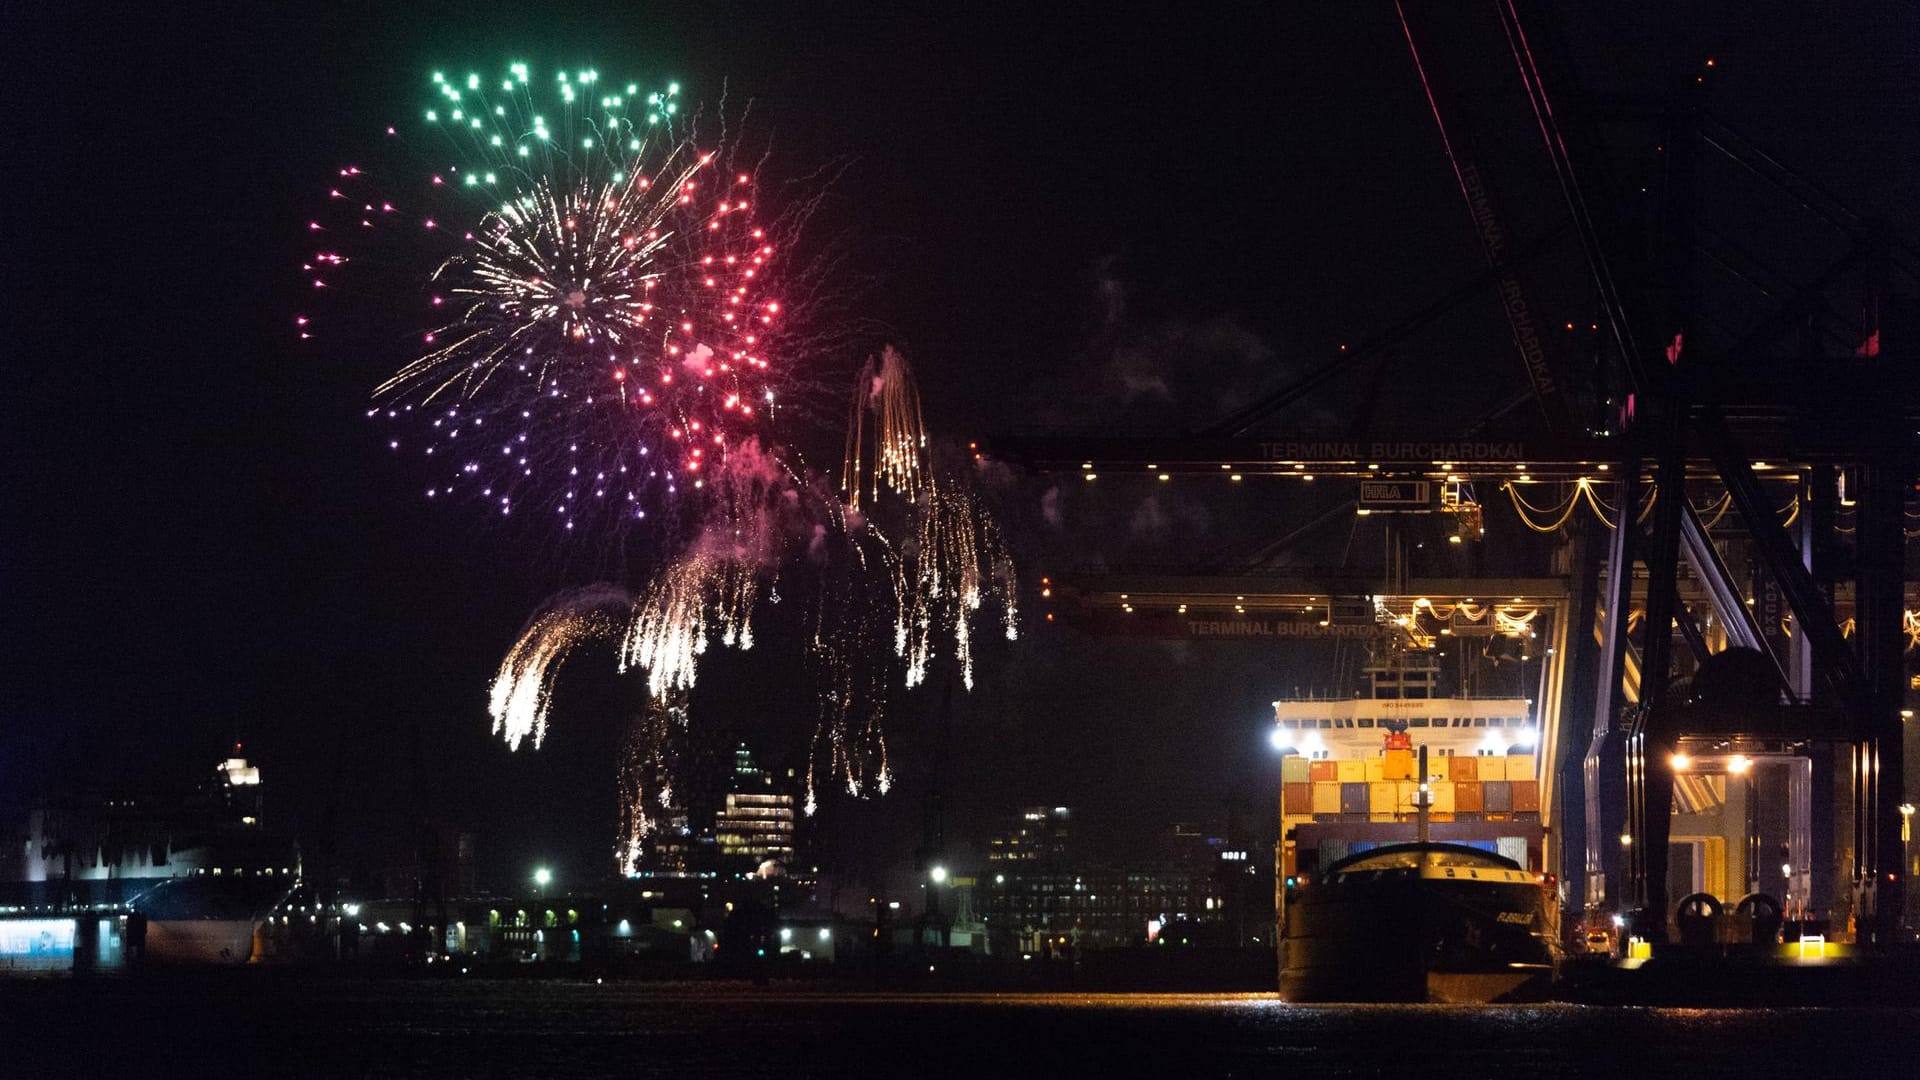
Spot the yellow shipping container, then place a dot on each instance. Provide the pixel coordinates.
(1520, 766)
(1493, 768)
(1442, 797)
(1386, 817)
(1326, 797)
(1437, 766)
(1352, 771)
(1398, 765)
(1376, 769)
(1380, 796)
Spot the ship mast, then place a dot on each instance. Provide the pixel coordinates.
(1422, 797)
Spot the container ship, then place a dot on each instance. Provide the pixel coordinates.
(1411, 845)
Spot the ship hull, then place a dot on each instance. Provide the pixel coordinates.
(1416, 939)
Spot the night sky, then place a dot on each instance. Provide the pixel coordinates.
(1120, 215)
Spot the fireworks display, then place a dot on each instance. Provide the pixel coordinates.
(598, 293)
(596, 328)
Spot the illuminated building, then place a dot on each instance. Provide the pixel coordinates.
(1038, 834)
(756, 822)
(1041, 896)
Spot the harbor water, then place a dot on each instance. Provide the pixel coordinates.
(252, 1023)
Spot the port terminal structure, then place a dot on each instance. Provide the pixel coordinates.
(1696, 515)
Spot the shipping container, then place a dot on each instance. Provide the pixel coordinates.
(1296, 798)
(1352, 771)
(1325, 772)
(1293, 769)
(1442, 801)
(1326, 796)
(1376, 769)
(1526, 795)
(1353, 797)
(1496, 796)
(1398, 765)
(1520, 767)
(1466, 795)
(1464, 768)
(1492, 768)
(1380, 797)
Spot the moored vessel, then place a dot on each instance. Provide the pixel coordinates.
(1417, 922)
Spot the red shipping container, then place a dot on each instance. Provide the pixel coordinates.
(1296, 798)
(1325, 772)
(1463, 767)
(1526, 795)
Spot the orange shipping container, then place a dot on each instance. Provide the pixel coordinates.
(1466, 795)
(1526, 795)
(1464, 768)
(1325, 771)
(1398, 765)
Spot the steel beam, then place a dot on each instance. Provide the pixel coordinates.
(1813, 616)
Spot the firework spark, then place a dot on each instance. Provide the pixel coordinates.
(649, 761)
(522, 694)
(886, 400)
(853, 663)
(955, 562)
(697, 599)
